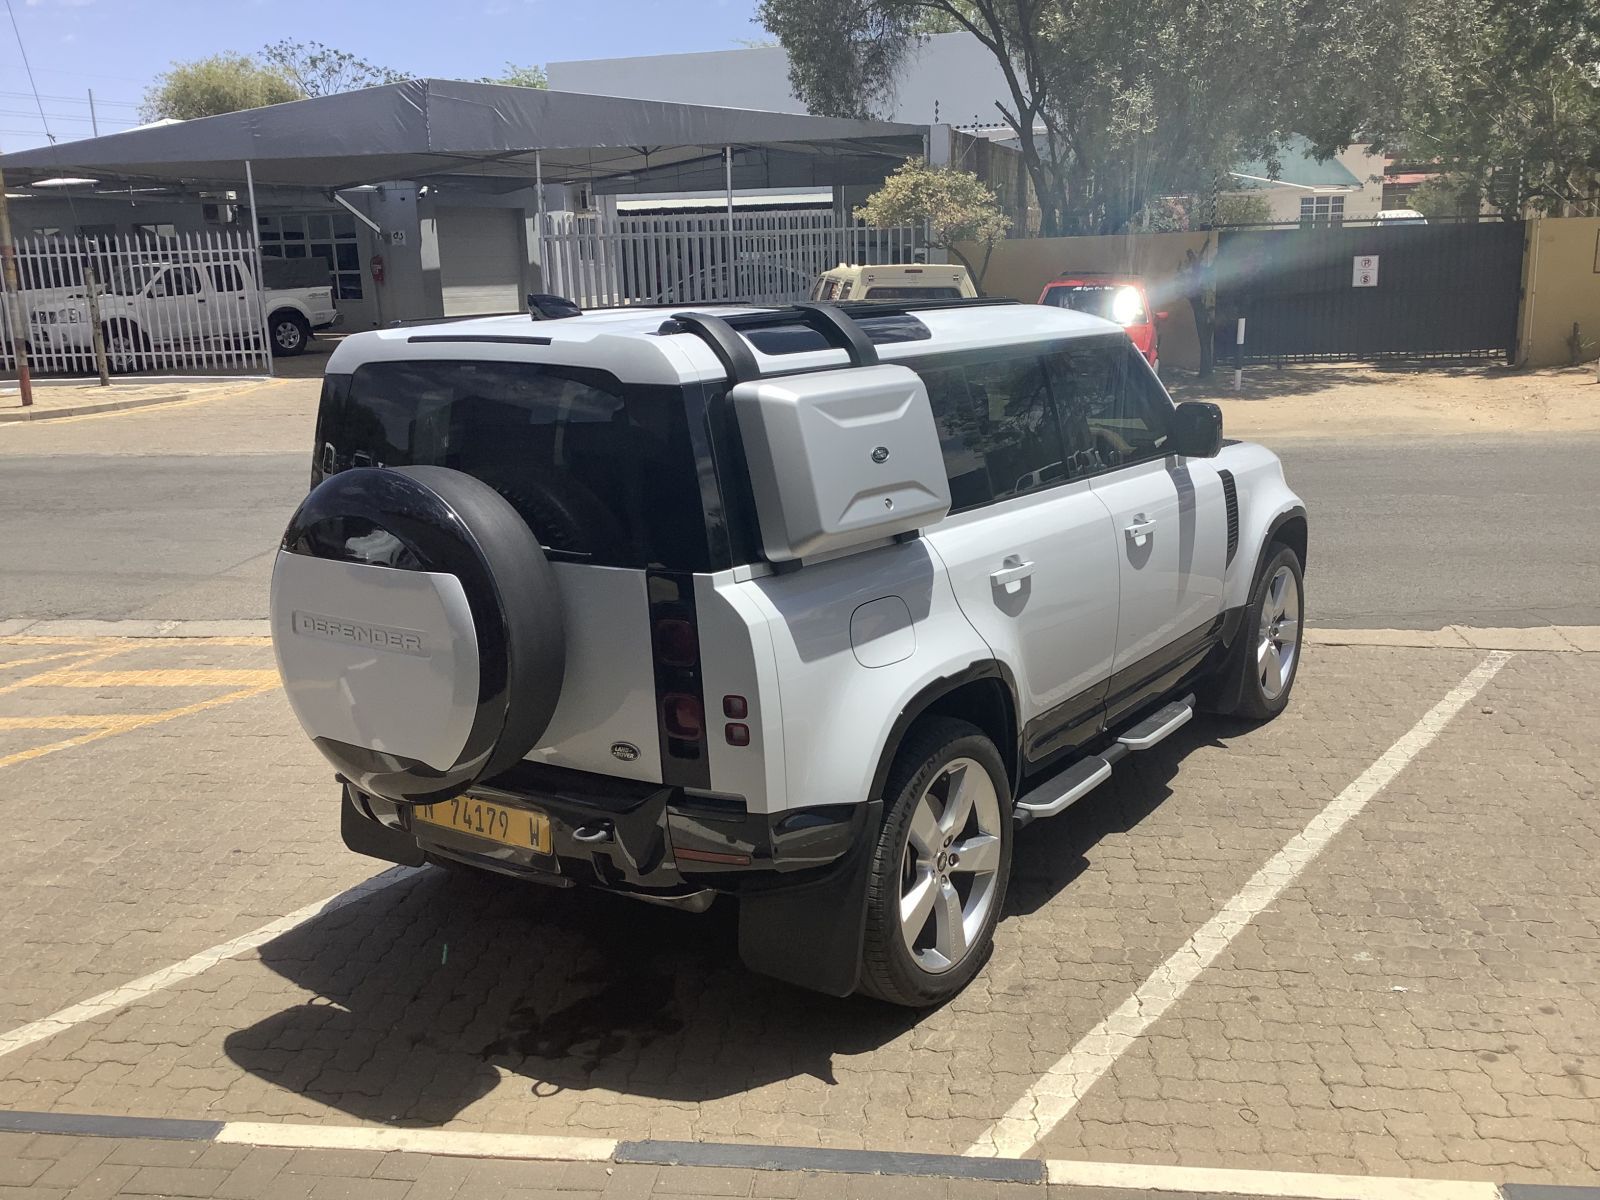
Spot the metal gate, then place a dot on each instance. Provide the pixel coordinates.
(181, 304)
(1372, 292)
(766, 258)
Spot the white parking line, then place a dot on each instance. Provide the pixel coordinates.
(130, 993)
(1055, 1094)
(461, 1143)
(1298, 1184)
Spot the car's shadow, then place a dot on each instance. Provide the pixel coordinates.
(425, 994)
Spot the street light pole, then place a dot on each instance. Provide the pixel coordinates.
(13, 291)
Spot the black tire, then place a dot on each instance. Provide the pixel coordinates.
(446, 522)
(1241, 682)
(126, 344)
(889, 971)
(289, 332)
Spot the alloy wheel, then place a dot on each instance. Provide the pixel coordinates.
(949, 872)
(1278, 640)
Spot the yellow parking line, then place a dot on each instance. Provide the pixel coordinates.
(129, 724)
(43, 658)
(156, 677)
(44, 677)
(65, 722)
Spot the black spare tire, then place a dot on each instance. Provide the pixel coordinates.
(418, 629)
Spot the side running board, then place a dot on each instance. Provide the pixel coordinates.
(1061, 791)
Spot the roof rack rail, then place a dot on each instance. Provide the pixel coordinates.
(834, 322)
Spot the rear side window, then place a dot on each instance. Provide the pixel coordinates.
(602, 472)
(996, 427)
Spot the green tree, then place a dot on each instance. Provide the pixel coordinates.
(1243, 208)
(1511, 109)
(318, 70)
(222, 83)
(530, 76)
(1117, 101)
(953, 204)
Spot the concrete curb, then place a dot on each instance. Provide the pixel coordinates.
(1132, 1177)
(83, 410)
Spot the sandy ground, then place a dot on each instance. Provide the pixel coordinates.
(1358, 400)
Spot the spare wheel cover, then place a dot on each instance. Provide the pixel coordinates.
(418, 629)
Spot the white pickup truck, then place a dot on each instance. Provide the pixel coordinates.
(152, 307)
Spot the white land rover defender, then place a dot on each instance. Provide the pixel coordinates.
(815, 607)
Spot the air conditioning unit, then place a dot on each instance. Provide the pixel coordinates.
(218, 213)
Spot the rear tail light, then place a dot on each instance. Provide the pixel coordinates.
(676, 643)
(683, 716)
(738, 734)
(735, 708)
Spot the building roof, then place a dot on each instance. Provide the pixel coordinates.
(431, 128)
(1297, 167)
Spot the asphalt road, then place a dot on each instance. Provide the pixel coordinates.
(1405, 534)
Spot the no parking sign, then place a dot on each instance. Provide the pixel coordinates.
(1364, 272)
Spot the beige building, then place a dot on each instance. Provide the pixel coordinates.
(1347, 187)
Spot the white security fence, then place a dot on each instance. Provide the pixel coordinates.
(767, 258)
(185, 303)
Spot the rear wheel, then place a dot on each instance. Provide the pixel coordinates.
(290, 334)
(939, 870)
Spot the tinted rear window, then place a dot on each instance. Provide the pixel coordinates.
(912, 292)
(602, 472)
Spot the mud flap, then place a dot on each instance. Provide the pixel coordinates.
(375, 839)
(810, 934)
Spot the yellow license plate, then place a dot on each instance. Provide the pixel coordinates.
(492, 822)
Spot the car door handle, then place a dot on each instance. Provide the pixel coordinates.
(1141, 528)
(1007, 576)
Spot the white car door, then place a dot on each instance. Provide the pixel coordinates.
(167, 311)
(1170, 520)
(230, 314)
(1029, 548)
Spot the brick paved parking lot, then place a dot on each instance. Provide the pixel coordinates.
(1422, 999)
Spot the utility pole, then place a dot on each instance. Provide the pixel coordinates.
(94, 122)
(13, 293)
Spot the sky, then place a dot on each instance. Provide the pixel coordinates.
(116, 47)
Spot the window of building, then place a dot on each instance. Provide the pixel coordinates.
(328, 236)
(1321, 210)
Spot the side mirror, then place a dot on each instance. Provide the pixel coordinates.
(1196, 430)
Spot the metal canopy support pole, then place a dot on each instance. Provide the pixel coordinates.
(727, 166)
(541, 245)
(261, 284)
(11, 294)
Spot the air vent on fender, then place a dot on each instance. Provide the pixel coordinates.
(1230, 494)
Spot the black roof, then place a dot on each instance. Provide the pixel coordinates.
(436, 128)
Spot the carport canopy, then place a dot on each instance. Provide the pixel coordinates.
(437, 129)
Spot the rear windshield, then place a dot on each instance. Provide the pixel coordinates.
(1114, 301)
(602, 472)
(913, 292)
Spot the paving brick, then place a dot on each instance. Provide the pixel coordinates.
(704, 1181)
(175, 1181)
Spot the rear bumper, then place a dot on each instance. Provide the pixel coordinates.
(327, 320)
(622, 835)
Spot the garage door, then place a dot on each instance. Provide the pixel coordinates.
(480, 260)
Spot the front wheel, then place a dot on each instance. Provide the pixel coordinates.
(940, 867)
(1266, 655)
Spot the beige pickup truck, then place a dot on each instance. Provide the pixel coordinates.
(896, 281)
